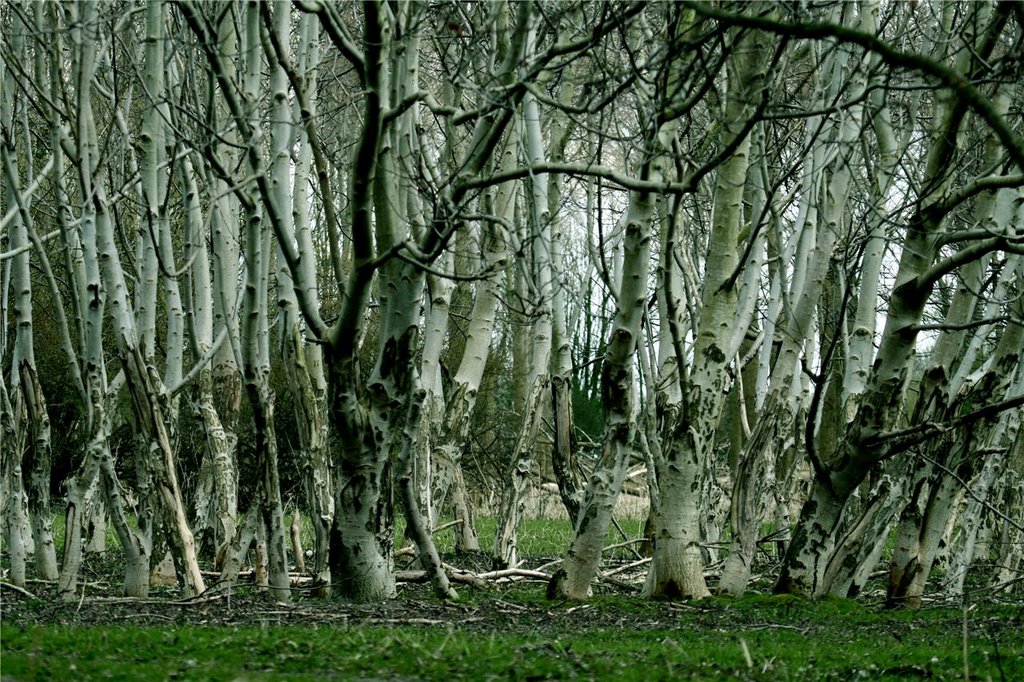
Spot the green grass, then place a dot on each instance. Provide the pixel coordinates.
(537, 537)
(515, 633)
(786, 639)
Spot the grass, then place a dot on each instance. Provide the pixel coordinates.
(539, 537)
(755, 638)
(512, 633)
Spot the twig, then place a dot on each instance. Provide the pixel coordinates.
(967, 673)
(626, 538)
(405, 621)
(967, 489)
(126, 616)
(746, 653)
(627, 543)
(776, 626)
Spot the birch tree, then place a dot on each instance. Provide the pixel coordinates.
(814, 538)
(370, 420)
(691, 422)
(28, 476)
(818, 231)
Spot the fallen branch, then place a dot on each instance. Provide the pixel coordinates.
(475, 579)
(626, 567)
(141, 601)
(514, 573)
(621, 584)
(627, 543)
(14, 588)
(550, 564)
(446, 526)
(405, 621)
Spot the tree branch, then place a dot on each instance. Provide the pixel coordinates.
(966, 91)
(920, 433)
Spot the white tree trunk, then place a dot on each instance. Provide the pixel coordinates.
(676, 568)
(525, 464)
(29, 422)
(581, 563)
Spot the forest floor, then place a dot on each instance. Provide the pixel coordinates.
(506, 630)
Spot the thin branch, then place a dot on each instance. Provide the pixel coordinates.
(581, 170)
(961, 257)
(338, 32)
(14, 588)
(914, 435)
(977, 186)
(25, 195)
(939, 326)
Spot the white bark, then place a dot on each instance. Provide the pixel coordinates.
(676, 568)
(148, 398)
(255, 321)
(581, 563)
(15, 533)
(525, 465)
(461, 400)
(883, 400)
(953, 462)
(778, 413)
(217, 493)
(29, 446)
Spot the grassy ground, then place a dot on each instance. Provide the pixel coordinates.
(510, 632)
(539, 537)
(516, 635)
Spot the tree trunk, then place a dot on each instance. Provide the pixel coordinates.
(526, 456)
(524, 469)
(813, 540)
(591, 523)
(16, 532)
(28, 447)
(861, 546)
(38, 464)
(883, 403)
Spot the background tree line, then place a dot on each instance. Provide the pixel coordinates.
(420, 258)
